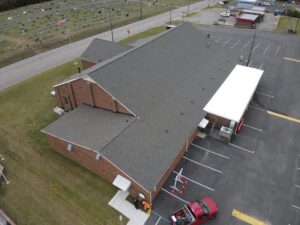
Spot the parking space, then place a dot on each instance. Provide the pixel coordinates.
(258, 173)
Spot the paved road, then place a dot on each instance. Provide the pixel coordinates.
(22, 70)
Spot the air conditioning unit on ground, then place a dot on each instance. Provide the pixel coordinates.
(59, 111)
(226, 132)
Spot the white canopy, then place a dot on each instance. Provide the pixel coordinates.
(232, 98)
(122, 183)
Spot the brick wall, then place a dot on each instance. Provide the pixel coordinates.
(87, 64)
(82, 91)
(173, 165)
(87, 158)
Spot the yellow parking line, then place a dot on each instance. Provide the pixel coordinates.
(291, 59)
(246, 218)
(283, 116)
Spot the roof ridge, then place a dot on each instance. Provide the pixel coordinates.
(113, 59)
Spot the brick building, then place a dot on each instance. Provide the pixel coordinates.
(135, 115)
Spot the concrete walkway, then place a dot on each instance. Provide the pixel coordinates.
(135, 216)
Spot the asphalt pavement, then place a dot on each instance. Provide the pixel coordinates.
(26, 68)
(258, 173)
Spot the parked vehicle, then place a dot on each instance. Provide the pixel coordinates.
(196, 213)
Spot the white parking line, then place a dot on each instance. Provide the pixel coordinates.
(266, 49)
(158, 220)
(195, 182)
(235, 44)
(226, 42)
(246, 45)
(277, 50)
(200, 164)
(218, 154)
(256, 46)
(261, 66)
(241, 148)
(186, 202)
(219, 39)
(297, 186)
(254, 128)
(296, 207)
(267, 95)
(250, 106)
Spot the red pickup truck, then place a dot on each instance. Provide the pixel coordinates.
(196, 213)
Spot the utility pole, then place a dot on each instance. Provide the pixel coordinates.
(170, 13)
(141, 8)
(250, 53)
(111, 26)
(188, 12)
(296, 25)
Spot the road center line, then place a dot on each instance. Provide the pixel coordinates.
(283, 117)
(200, 164)
(291, 59)
(239, 147)
(195, 182)
(254, 128)
(207, 150)
(266, 49)
(186, 202)
(267, 95)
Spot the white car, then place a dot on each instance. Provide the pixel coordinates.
(221, 3)
(225, 14)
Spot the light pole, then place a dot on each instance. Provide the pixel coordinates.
(188, 12)
(250, 53)
(141, 8)
(170, 13)
(111, 26)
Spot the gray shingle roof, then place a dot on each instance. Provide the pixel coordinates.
(100, 50)
(90, 127)
(166, 83)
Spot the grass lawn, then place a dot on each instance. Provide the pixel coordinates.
(36, 30)
(147, 33)
(286, 23)
(45, 188)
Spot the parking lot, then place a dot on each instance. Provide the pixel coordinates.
(258, 173)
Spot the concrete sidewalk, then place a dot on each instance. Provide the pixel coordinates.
(135, 216)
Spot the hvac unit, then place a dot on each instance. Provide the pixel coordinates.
(59, 111)
(226, 132)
